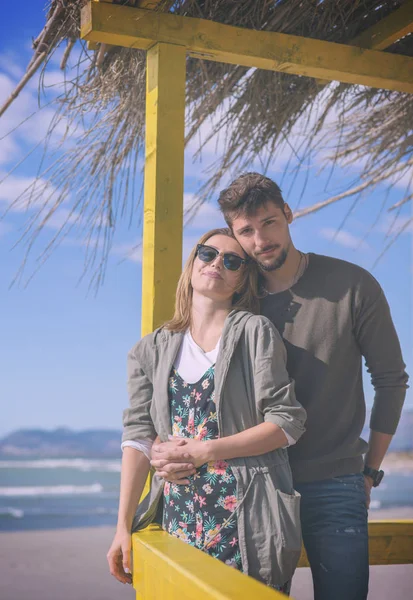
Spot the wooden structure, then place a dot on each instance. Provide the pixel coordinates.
(164, 567)
(168, 39)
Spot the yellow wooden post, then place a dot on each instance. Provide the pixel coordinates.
(164, 181)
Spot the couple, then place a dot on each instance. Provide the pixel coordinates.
(211, 389)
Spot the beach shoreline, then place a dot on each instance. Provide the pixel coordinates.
(398, 462)
(70, 564)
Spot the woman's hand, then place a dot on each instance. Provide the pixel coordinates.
(119, 556)
(177, 459)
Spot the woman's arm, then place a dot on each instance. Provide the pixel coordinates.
(274, 390)
(257, 440)
(135, 470)
(137, 425)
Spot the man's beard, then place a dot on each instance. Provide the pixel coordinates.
(276, 264)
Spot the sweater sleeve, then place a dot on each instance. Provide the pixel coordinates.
(378, 342)
(137, 421)
(274, 390)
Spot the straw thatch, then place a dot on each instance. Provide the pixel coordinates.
(105, 103)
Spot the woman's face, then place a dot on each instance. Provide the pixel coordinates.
(213, 279)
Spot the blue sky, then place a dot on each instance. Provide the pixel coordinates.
(63, 348)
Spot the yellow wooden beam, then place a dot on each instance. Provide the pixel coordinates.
(165, 568)
(164, 181)
(387, 31)
(137, 28)
(148, 4)
(390, 543)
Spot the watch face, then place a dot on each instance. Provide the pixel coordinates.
(376, 476)
(379, 476)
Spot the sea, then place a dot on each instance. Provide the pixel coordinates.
(64, 493)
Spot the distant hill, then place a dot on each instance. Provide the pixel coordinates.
(61, 442)
(105, 443)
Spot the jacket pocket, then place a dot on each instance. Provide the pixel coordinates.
(289, 540)
(271, 522)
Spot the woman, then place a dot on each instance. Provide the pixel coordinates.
(215, 378)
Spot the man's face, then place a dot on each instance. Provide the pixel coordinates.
(265, 236)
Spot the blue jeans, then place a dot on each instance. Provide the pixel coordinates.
(335, 535)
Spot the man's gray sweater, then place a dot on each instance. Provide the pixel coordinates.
(335, 314)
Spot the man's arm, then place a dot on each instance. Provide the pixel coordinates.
(379, 344)
(378, 445)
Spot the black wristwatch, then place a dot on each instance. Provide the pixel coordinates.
(375, 475)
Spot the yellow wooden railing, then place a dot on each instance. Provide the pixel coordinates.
(164, 568)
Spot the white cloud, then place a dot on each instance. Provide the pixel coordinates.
(132, 252)
(15, 193)
(392, 224)
(9, 63)
(24, 124)
(344, 238)
(207, 216)
(35, 129)
(405, 182)
(52, 80)
(75, 55)
(8, 148)
(62, 217)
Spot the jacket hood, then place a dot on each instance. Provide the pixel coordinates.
(233, 328)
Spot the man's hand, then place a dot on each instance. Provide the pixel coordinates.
(368, 484)
(177, 459)
(170, 459)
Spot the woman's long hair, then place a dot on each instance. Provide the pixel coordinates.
(244, 298)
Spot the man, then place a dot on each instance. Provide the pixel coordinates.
(331, 313)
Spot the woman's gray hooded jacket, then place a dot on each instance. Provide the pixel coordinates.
(251, 386)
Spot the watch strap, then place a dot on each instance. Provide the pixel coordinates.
(375, 474)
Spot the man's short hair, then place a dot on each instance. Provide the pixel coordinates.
(246, 194)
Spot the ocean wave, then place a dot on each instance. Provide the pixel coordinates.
(51, 490)
(30, 512)
(9, 511)
(79, 464)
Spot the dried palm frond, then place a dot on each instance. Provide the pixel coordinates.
(256, 112)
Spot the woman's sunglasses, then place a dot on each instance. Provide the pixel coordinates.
(207, 254)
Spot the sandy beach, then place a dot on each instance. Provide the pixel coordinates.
(71, 565)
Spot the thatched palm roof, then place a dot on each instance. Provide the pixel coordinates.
(261, 108)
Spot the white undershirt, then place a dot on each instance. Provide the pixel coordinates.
(191, 363)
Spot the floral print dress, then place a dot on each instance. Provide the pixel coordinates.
(202, 513)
